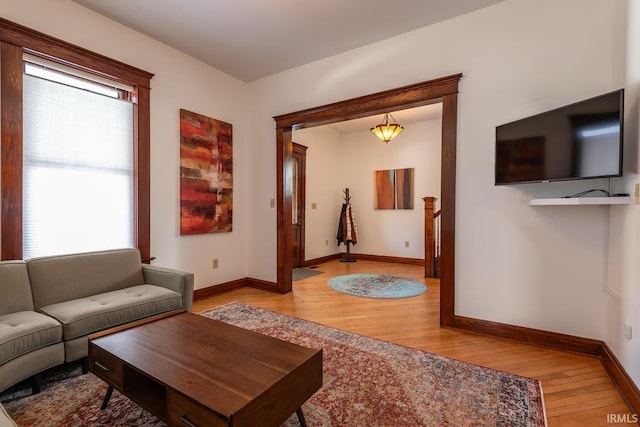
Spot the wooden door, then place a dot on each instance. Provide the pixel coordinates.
(298, 165)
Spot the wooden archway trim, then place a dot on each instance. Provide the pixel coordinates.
(443, 90)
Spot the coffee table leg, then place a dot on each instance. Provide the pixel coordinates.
(107, 396)
(303, 423)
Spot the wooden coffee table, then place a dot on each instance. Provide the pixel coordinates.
(189, 370)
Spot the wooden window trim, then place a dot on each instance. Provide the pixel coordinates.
(15, 40)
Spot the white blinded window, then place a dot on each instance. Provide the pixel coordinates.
(78, 192)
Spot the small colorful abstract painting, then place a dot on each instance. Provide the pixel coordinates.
(383, 197)
(206, 174)
(404, 188)
(393, 189)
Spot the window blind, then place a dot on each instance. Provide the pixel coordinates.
(78, 171)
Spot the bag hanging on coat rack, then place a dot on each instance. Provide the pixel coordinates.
(347, 230)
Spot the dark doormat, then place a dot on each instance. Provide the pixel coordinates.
(304, 273)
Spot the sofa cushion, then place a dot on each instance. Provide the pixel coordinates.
(26, 331)
(59, 278)
(84, 316)
(14, 287)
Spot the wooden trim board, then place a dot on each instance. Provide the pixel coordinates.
(562, 342)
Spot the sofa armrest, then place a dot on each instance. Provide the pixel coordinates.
(5, 419)
(176, 280)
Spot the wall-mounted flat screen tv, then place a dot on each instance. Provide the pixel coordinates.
(577, 141)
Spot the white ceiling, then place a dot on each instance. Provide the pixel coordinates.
(251, 39)
(403, 117)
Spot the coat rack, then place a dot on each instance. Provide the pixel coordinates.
(347, 232)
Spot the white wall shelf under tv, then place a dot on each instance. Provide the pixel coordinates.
(566, 201)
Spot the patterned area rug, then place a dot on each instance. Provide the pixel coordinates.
(366, 382)
(377, 285)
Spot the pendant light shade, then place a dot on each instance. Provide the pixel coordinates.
(386, 131)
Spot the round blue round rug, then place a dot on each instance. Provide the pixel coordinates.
(377, 285)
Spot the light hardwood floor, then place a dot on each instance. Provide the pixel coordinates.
(577, 390)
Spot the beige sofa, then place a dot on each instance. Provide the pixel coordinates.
(49, 305)
(30, 342)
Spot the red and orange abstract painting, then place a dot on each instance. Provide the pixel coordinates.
(404, 188)
(206, 174)
(384, 195)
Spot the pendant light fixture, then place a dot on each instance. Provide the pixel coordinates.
(385, 131)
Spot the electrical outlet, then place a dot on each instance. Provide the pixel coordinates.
(214, 263)
(406, 244)
(326, 243)
(636, 194)
(627, 331)
(314, 206)
(272, 203)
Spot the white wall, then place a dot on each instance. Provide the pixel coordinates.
(623, 287)
(541, 267)
(336, 161)
(323, 188)
(383, 231)
(179, 82)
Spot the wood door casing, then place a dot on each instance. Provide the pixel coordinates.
(445, 90)
(298, 200)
